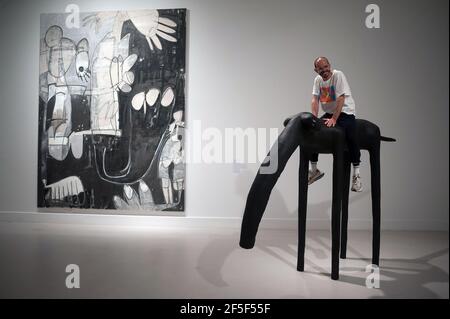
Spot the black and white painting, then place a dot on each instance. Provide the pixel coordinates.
(112, 111)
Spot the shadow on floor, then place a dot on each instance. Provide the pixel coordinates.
(397, 275)
(400, 274)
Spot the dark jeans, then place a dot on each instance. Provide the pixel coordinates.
(348, 123)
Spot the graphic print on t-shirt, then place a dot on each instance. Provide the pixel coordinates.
(327, 94)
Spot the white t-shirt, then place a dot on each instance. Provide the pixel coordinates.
(328, 90)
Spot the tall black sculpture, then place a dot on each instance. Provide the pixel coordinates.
(312, 135)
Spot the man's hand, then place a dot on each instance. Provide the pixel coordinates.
(331, 122)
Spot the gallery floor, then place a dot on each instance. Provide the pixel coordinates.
(180, 262)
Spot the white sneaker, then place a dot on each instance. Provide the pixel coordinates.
(356, 183)
(314, 176)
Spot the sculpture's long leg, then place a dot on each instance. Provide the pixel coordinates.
(263, 184)
(345, 193)
(376, 200)
(302, 207)
(338, 163)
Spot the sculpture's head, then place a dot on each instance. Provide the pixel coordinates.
(309, 121)
(306, 120)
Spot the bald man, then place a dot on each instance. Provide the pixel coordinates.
(332, 91)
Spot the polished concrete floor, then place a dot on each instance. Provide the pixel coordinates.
(181, 262)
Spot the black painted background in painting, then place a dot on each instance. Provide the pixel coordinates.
(146, 136)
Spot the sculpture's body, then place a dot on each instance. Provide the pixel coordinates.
(308, 132)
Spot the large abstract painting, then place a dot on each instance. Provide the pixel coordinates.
(112, 110)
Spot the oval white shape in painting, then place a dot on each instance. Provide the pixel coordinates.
(138, 101)
(128, 77)
(128, 191)
(152, 96)
(76, 145)
(53, 36)
(143, 186)
(167, 97)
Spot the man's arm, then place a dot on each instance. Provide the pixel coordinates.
(339, 104)
(315, 105)
(342, 88)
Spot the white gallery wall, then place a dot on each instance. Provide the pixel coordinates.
(250, 65)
